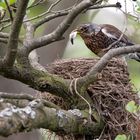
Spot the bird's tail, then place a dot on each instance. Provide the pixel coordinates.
(135, 56)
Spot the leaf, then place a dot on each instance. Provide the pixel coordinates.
(121, 137)
(138, 9)
(3, 5)
(30, 2)
(131, 107)
(11, 2)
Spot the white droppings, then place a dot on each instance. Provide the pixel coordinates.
(34, 103)
(14, 109)
(33, 115)
(6, 112)
(22, 112)
(76, 112)
(60, 114)
(62, 118)
(27, 110)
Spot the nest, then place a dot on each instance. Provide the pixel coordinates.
(110, 93)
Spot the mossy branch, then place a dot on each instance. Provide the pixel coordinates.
(36, 115)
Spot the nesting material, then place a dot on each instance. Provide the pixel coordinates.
(110, 93)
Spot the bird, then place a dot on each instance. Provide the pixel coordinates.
(100, 38)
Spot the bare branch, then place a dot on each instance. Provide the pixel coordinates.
(3, 40)
(14, 34)
(34, 61)
(29, 29)
(24, 96)
(5, 20)
(60, 30)
(16, 96)
(45, 13)
(65, 12)
(5, 26)
(36, 4)
(33, 57)
(117, 5)
(50, 17)
(4, 35)
(9, 10)
(99, 66)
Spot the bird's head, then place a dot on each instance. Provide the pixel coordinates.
(84, 30)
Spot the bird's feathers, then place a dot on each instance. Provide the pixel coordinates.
(101, 38)
(114, 33)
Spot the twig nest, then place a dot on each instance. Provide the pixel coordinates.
(110, 93)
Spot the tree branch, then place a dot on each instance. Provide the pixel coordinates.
(45, 13)
(60, 30)
(4, 35)
(99, 66)
(24, 96)
(39, 80)
(16, 96)
(14, 34)
(117, 5)
(36, 115)
(50, 17)
(33, 57)
(9, 10)
(3, 40)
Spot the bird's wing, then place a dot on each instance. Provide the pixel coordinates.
(115, 34)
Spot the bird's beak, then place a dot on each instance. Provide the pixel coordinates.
(73, 35)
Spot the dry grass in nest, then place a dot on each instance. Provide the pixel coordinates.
(110, 93)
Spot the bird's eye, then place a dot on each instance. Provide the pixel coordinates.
(83, 29)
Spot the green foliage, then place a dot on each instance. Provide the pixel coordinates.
(3, 5)
(10, 2)
(131, 107)
(138, 5)
(121, 137)
(30, 2)
(78, 49)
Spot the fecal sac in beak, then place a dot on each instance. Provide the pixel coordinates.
(72, 36)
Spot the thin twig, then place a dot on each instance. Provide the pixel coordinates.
(3, 40)
(35, 4)
(65, 12)
(5, 20)
(50, 17)
(9, 10)
(98, 67)
(45, 13)
(122, 34)
(4, 35)
(5, 26)
(105, 6)
(62, 27)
